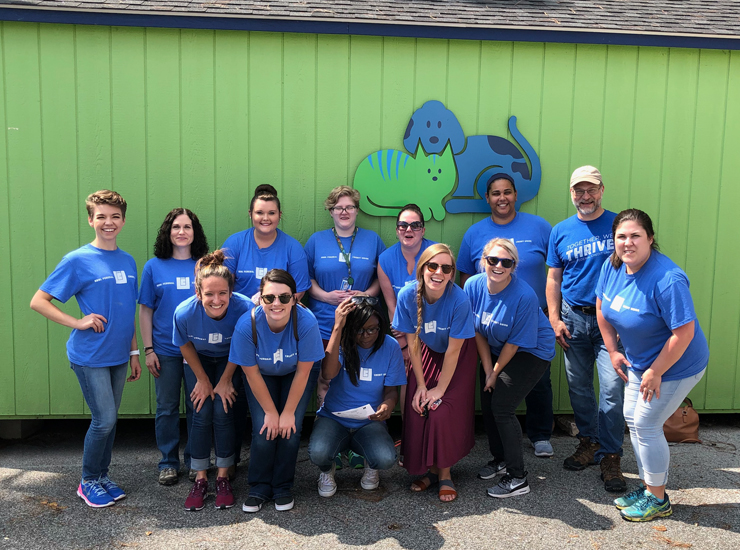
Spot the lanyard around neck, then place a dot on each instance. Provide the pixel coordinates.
(347, 257)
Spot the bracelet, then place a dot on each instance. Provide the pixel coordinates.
(134, 352)
(149, 352)
(404, 347)
(148, 348)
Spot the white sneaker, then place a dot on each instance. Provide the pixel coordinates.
(327, 485)
(370, 479)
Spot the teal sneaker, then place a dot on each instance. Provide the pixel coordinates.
(355, 461)
(630, 498)
(648, 508)
(338, 462)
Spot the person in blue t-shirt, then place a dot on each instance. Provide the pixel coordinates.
(516, 344)
(203, 329)
(167, 280)
(530, 235)
(643, 299)
(102, 278)
(438, 426)
(276, 346)
(365, 365)
(577, 249)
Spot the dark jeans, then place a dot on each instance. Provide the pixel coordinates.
(241, 409)
(539, 410)
(503, 429)
(372, 441)
(272, 463)
(167, 422)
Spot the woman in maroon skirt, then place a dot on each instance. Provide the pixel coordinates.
(436, 316)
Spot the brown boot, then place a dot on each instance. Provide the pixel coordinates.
(584, 455)
(611, 473)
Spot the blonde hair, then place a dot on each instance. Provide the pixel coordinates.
(212, 265)
(104, 196)
(339, 192)
(506, 244)
(428, 254)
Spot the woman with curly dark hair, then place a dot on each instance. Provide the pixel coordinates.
(167, 280)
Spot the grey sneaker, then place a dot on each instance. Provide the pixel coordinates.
(509, 487)
(543, 449)
(492, 469)
(327, 485)
(370, 479)
(191, 474)
(167, 476)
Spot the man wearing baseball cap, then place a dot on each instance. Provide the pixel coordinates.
(578, 247)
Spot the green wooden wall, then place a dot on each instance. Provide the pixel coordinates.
(200, 118)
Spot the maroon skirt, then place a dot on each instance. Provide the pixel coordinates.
(448, 433)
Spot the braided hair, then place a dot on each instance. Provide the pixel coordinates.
(428, 254)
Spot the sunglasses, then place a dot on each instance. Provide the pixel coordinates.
(415, 226)
(493, 261)
(369, 331)
(432, 267)
(270, 298)
(359, 300)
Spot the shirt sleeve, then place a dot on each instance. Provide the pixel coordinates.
(243, 351)
(147, 296)
(63, 283)
(462, 320)
(402, 319)
(553, 260)
(310, 345)
(396, 375)
(310, 257)
(676, 305)
(464, 262)
(601, 283)
(179, 329)
(298, 267)
(231, 250)
(524, 331)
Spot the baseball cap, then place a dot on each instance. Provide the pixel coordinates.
(586, 173)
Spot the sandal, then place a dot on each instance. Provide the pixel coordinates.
(424, 482)
(447, 488)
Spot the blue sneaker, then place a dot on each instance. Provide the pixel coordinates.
(111, 488)
(355, 461)
(630, 498)
(648, 508)
(94, 495)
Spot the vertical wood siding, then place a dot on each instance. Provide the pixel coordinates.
(200, 118)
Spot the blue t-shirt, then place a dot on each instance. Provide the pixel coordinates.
(645, 307)
(104, 282)
(327, 267)
(579, 248)
(164, 285)
(448, 317)
(377, 370)
(394, 265)
(530, 234)
(277, 353)
(249, 263)
(512, 316)
(210, 337)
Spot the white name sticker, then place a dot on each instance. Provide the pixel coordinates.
(617, 303)
(485, 319)
(277, 356)
(366, 375)
(342, 256)
(431, 326)
(120, 277)
(215, 338)
(260, 272)
(183, 283)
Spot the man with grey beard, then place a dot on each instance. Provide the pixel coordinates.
(578, 248)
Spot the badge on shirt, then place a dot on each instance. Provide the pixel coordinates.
(485, 319)
(215, 338)
(617, 303)
(366, 375)
(342, 256)
(183, 283)
(277, 356)
(120, 277)
(431, 326)
(260, 272)
(345, 284)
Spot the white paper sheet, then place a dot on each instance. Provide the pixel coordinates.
(359, 413)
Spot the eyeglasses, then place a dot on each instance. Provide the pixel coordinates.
(270, 298)
(341, 209)
(369, 331)
(359, 300)
(404, 226)
(433, 267)
(593, 191)
(493, 261)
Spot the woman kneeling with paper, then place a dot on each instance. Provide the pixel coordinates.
(364, 365)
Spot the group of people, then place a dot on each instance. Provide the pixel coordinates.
(230, 326)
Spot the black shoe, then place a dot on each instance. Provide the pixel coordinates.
(252, 505)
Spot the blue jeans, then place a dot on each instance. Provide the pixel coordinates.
(645, 421)
(602, 422)
(211, 423)
(539, 410)
(272, 463)
(102, 388)
(372, 441)
(167, 421)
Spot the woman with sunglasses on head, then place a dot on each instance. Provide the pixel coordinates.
(167, 280)
(276, 345)
(643, 299)
(516, 344)
(438, 428)
(365, 366)
(203, 329)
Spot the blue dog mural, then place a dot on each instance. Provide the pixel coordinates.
(434, 126)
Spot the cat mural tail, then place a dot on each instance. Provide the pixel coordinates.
(388, 180)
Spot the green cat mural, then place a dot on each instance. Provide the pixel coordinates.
(388, 180)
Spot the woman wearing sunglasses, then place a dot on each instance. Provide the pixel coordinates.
(643, 299)
(276, 345)
(204, 325)
(365, 366)
(438, 427)
(516, 344)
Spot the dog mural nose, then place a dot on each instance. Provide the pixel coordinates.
(433, 139)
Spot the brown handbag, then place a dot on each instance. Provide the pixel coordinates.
(683, 425)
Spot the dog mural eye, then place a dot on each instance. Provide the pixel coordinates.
(429, 123)
(439, 124)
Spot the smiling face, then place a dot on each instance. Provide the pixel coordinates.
(344, 220)
(214, 293)
(265, 216)
(107, 221)
(277, 313)
(589, 203)
(181, 233)
(501, 197)
(436, 282)
(408, 237)
(366, 340)
(632, 245)
(498, 274)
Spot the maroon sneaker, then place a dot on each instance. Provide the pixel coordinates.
(197, 496)
(224, 496)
